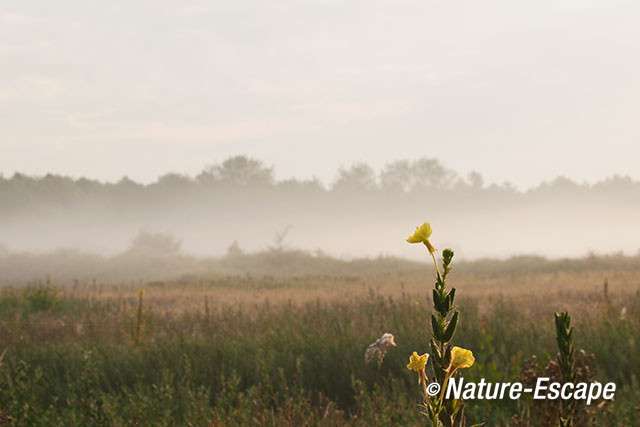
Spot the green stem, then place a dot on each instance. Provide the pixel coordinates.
(444, 387)
(435, 262)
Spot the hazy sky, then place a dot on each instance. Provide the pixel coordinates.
(516, 90)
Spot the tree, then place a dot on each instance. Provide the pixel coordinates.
(234, 250)
(476, 180)
(173, 180)
(360, 176)
(396, 176)
(239, 170)
(430, 173)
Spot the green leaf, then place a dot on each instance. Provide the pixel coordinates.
(437, 329)
(452, 296)
(451, 328)
(437, 302)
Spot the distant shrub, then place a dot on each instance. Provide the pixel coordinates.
(41, 297)
(147, 243)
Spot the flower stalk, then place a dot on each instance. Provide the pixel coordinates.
(446, 359)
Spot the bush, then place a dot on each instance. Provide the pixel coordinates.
(39, 298)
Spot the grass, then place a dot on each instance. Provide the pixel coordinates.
(289, 350)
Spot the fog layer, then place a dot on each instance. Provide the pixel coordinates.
(365, 212)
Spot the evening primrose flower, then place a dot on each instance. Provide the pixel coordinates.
(417, 363)
(421, 235)
(461, 358)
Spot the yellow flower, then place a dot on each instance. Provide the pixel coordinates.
(421, 235)
(417, 363)
(461, 358)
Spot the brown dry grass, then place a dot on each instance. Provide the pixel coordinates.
(579, 292)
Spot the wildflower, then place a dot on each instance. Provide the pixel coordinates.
(417, 363)
(421, 235)
(461, 358)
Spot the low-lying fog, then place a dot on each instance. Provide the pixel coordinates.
(363, 213)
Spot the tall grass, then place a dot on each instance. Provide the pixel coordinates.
(76, 362)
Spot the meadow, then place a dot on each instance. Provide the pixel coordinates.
(265, 349)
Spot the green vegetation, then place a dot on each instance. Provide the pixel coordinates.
(77, 358)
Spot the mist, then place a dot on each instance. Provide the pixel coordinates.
(239, 205)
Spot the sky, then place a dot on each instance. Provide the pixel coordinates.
(518, 91)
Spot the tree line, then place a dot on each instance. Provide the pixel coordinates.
(243, 173)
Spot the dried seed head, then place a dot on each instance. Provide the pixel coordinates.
(379, 348)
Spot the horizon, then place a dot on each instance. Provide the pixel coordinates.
(328, 185)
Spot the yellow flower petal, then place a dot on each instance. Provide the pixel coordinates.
(417, 363)
(461, 358)
(421, 235)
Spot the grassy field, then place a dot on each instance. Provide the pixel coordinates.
(269, 350)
